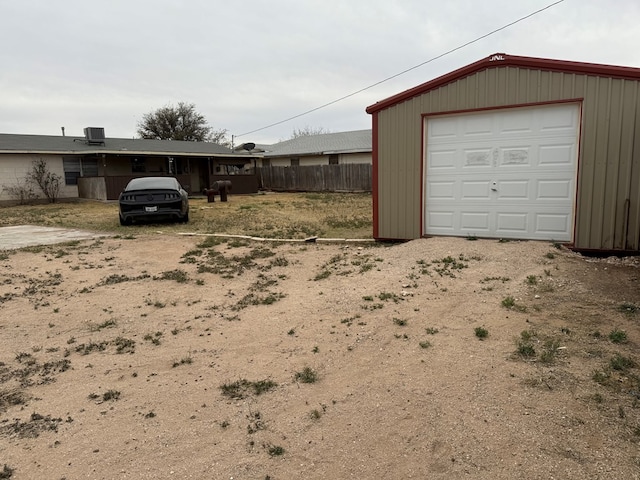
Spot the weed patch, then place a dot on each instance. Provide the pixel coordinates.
(110, 396)
(253, 299)
(243, 388)
(188, 360)
(618, 336)
(106, 324)
(446, 266)
(32, 428)
(525, 345)
(176, 275)
(275, 450)
(11, 398)
(510, 303)
(124, 345)
(307, 375)
(628, 308)
(87, 348)
(622, 363)
(481, 332)
(7, 472)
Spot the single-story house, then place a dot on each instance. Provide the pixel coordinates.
(323, 149)
(512, 147)
(98, 167)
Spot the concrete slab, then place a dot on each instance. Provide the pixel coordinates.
(30, 235)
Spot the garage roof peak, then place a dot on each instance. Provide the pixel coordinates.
(500, 60)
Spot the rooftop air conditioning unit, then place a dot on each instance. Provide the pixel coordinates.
(94, 135)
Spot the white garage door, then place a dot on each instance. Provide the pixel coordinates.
(507, 173)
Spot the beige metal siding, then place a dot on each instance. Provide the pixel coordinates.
(608, 203)
(398, 175)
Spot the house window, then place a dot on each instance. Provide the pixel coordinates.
(295, 162)
(138, 165)
(333, 159)
(75, 167)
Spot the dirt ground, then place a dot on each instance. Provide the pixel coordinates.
(168, 356)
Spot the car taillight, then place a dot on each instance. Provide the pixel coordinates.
(170, 196)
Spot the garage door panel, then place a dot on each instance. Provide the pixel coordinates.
(553, 226)
(442, 159)
(512, 122)
(477, 127)
(442, 190)
(557, 154)
(555, 190)
(478, 157)
(512, 223)
(478, 222)
(558, 120)
(519, 183)
(441, 221)
(475, 190)
(445, 130)
(520, 156)
(507, 190)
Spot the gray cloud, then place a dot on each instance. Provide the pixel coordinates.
(248, 63)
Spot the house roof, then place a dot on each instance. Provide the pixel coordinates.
(499, 60)
(49, 144)
(357, 141)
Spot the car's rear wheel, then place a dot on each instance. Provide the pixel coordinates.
(185, 218)
(124, 221)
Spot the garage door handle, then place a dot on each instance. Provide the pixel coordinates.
(494, 189)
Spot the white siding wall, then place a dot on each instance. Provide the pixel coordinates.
(355, 158)
(314, 160)
(280, 162)
(344, 158)
(14, 168)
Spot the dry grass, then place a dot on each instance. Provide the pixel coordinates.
(271, 215)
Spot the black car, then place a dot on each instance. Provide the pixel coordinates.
(153, 198)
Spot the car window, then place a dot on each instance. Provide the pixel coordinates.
(145, 183)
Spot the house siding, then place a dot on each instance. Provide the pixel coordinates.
(353, 158)
(308, 160)
(608, 198)
(15, 167)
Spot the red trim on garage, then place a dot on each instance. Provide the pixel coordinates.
(578, 167)
(498, 60)
(423, 176)
(501, 107)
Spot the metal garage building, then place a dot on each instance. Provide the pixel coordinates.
(512, 147)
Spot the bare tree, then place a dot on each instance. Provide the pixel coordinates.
(220, 137)
(181, 122)
(22, 191)
(307, 130)
(45, 179)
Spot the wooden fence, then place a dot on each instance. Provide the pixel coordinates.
(354, 177)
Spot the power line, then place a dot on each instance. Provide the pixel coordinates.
(482, 37)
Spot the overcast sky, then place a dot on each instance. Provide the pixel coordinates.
(246, 64)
